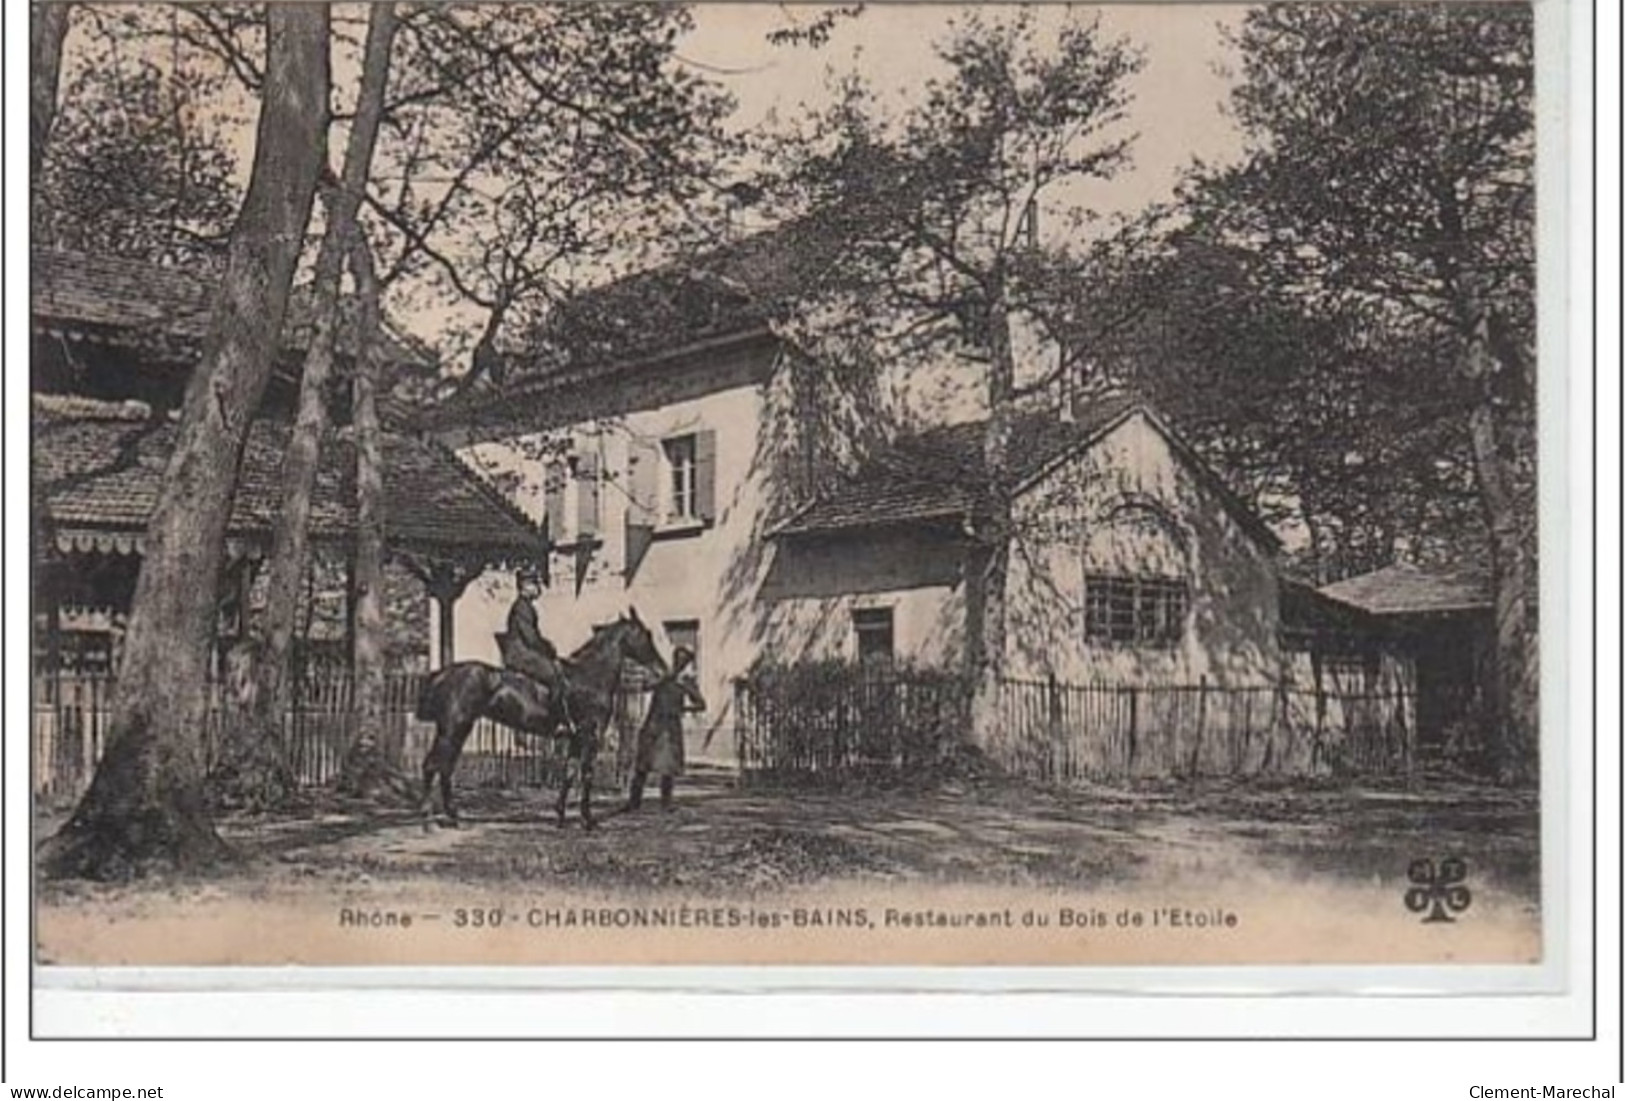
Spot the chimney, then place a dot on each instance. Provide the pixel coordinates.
(1087, 384)
(1027, 229)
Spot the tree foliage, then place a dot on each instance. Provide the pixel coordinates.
(1391, 186)
(137, 164)
(1312, 415)
(939, 209)
(938, 204)
(525, 146)
(1384, 213)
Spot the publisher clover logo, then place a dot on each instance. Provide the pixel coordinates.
(1439, 888)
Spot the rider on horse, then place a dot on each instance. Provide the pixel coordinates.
(525, 650)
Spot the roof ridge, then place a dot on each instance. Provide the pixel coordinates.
(88, 408)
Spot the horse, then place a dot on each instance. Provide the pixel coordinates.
(462, 693)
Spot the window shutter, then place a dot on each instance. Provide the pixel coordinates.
(643, 489)
(705, 474)
(587, 494)
(553, 482)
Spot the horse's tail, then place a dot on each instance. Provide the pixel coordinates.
(431, 697)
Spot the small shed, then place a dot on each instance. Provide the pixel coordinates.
(1442, 621)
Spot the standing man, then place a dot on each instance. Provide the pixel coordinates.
(660, 741)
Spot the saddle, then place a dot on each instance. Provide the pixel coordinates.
(537, 672)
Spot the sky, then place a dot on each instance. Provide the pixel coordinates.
(1177, 95)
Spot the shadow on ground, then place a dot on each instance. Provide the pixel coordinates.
(726, 838)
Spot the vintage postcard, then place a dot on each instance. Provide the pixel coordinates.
(890, 485)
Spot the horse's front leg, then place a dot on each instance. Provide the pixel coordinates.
(426, 806)
(445, 800)
(588, 753)
(564, 787)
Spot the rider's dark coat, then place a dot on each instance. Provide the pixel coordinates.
(525, 650)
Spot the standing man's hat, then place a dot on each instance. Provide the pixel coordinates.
(529, 573)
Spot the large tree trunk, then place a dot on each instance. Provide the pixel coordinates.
(999, 523)
(146, 803)
(47, 28)
(988, 597)
(1515, 738)
(258, 772)
(371, 764)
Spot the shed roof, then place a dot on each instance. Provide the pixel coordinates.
(1405, 589)
(99, 466)
(939, 474)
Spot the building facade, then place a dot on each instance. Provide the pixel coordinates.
(676, 486)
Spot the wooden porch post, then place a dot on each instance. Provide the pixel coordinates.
(53, 623)
(446, 601)
(445, 580)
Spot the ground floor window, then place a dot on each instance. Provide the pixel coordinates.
(1134, 611)
(873, 628)
(686, 633)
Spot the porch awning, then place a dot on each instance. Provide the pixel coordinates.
(99, 466)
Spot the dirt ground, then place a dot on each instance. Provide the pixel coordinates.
(724, 838)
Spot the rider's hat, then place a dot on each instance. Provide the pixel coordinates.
(682, 655)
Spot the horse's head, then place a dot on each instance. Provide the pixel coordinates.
(637, 643)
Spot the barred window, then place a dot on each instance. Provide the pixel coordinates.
(1134, 611)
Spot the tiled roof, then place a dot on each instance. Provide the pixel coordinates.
(101, 464)
(1403, 588)
(939, 474)
(134, 300)
(732, 288)
(732, 291)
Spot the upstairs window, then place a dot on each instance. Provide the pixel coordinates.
(1134, 611)
(682, 466)
(876, 642)
(555, 486)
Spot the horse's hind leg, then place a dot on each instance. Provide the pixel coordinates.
(448, 765)
(440, 761)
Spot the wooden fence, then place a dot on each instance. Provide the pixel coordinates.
(73, 717)
(1059, 732)
(829, 723)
